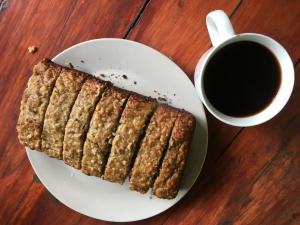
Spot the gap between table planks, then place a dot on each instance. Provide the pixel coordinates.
(74, 34)
(21, 27)
(260, 19)
(162, 13)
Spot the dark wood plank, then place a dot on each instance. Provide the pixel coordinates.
(241, 182)
(50, 26)
(20, 28)
(70, 35)
(256, 181)
(98, 19)
(177, 29)
(241, 186)
(170, 27)
(277, 19)
(40, 207)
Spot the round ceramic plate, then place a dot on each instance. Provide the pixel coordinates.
(139, 68)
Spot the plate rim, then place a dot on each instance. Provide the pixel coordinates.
(204, 124)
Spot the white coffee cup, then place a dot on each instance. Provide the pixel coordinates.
(221, 34)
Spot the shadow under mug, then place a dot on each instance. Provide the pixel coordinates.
(221, 34)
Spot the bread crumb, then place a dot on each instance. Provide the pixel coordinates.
(32, 49)
(124, 76)
(162, 99)
(70, 65)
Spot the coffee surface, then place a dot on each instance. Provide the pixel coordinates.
(242, 78)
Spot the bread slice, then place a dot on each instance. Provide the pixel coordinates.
(65, 92)
(34, 103)
(104, 123)
(152, 148)
(79, 121)
(132, 124)
(168, 181)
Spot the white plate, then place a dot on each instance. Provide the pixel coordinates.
(154, 73)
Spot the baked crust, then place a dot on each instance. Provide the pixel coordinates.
(101, 132)
(168, 181)
(64, 94)
(34, 103)
(78, 123)
(152, 148)
(132, 124)
(62, 115)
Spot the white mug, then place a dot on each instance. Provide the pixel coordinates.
(221, 34)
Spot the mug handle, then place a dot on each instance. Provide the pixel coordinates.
(219, 27)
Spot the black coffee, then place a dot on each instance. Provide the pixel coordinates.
(242, 78)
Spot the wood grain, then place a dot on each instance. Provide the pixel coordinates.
(278, 19)
(177, 29)
(64, 39)
(250, 139)
(257, 179)
(251, 175)
(171, 27)
(19, 26)
(50, 26)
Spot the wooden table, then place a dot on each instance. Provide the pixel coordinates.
(251, 175)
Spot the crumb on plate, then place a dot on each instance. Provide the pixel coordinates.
(70, 65)
(162, 99)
